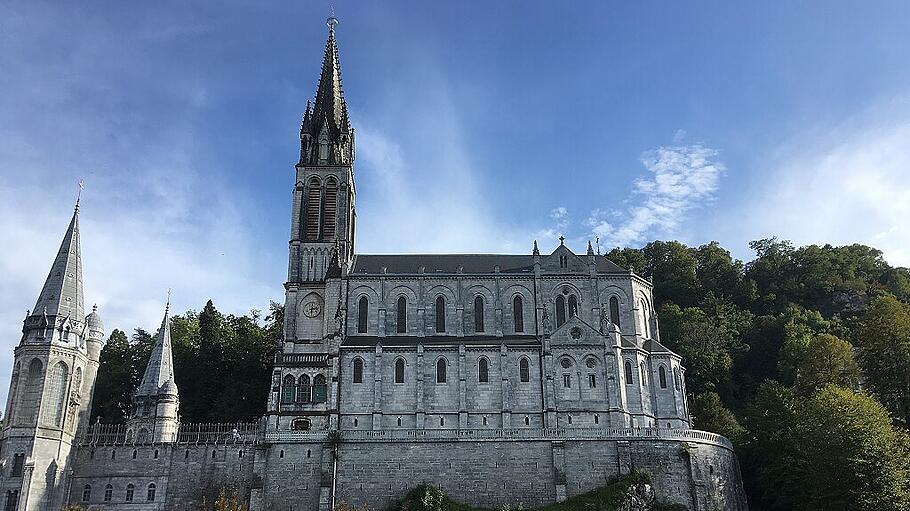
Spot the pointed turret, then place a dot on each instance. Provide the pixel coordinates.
(62, 292)
(160, 368)
(326, 136)
(156, 403)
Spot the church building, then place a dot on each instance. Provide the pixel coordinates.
(505, 379)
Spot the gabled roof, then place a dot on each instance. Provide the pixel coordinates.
(160, 369)
(368, 264)
(653, 346)
(62, 291)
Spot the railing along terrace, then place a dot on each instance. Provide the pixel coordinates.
(433, 435)
(189, 434)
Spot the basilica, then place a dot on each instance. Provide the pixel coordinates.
(504, 379)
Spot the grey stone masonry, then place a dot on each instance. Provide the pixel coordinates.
(506, 380)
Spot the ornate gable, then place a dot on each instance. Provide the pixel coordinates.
(563, 260)
(575, 332)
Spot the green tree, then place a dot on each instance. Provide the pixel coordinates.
(850, 456)
(115, 381)
(711, 415)
(770, 448)
(828, 360)
(883, 340)
(707, 343)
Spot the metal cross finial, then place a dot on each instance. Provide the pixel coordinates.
(79, 193)
(167, 306)
(562, 240)
(332, 21)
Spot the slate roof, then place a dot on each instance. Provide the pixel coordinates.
(62, 291)
(160, 368)
(449, 263)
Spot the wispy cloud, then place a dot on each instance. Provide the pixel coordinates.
(680, 178)
(838, 184)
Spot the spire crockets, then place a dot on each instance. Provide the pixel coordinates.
(62, 291)
(160, 369)
(326, 135)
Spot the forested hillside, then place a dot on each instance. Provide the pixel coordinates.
(800, 356)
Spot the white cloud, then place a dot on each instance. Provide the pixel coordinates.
(842, 184)
(683, 177)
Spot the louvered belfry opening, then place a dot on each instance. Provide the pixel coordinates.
(313, 196)
(329, 209)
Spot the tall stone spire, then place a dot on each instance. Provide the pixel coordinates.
(160, 369)
(62, 291)
(326, 135)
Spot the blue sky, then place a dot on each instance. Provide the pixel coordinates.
(481, 126)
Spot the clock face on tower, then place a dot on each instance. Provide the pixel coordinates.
(311, 309)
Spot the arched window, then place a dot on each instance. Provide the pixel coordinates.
(150, 496)
(483, 370)
(560, 311)
(287, 390)
(518, 313)
(86, 493)
(311, 218)
(441, 370)
(402, 315)
(645, 319)
(399, 370)
(56, 394)
(130, 491)
(524, 370)
(358, 370)
(628, 373)
(31, 399)
(304, 390)
(676, 377)
(320, 389)
(108, 493)
(362, 310)
(644, 374)
(440, 314)
(478, 313)
(573, 306)
(329, 209)
(614, 311)
(662, 376)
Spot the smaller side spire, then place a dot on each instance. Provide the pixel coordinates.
(536, 251)
(160, 368)
(590, 248)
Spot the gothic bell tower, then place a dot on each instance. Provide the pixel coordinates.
(322, 222)
(321, 251)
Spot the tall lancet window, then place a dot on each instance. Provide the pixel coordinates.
(573, 306)
(440, 314)
(311, 218)
(402, 315)
(362, 311)
(329, 209)
(478, 314)
(56, 394)
(614, 311)
(518, 313)
(560, 311)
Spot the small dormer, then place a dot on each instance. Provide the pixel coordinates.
(563, 260)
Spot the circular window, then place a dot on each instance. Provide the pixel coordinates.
(591, 363)
(575, 333)
(565, 363)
